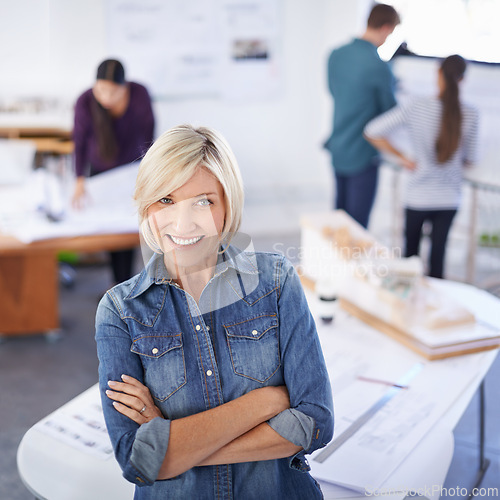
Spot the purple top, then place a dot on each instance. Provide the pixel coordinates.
(134, 132)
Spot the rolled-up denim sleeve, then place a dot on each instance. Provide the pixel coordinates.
(296, 425)
(309, 421)
(139, 450)
(149, 448)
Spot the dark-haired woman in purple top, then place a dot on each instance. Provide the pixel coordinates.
(113, 126)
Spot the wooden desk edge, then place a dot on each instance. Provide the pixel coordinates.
(91, 243)
(30, 131)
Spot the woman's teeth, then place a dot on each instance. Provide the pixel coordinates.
(182, 241)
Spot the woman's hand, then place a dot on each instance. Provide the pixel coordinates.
(407, 163)
(385, 146)
(133, 399)
(79, 194)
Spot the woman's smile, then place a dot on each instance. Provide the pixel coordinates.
(183, 242)
(188, 223)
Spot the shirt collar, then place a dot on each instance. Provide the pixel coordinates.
(367, 43)
(155, 272)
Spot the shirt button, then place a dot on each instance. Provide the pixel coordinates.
(208, 328)
(198, 328)
(155, 351)
(209, 373)
(255, 332)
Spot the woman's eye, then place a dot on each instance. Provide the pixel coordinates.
(204, 202)
(165, 201)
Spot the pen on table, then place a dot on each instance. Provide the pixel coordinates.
(378, 381)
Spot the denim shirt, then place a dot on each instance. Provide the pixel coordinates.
(251, 328)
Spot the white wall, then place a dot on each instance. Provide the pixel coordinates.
(52, 48)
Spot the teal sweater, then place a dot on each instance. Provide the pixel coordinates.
(362, 86)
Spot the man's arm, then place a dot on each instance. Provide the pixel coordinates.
(386, 88)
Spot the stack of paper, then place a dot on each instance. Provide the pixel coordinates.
(40, 208)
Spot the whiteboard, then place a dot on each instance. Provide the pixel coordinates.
(417, 76)
(221, 48)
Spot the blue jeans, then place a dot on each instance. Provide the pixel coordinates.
(356, 193)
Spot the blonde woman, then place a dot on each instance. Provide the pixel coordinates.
(212, 377)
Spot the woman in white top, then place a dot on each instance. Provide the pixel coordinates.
(443, 133)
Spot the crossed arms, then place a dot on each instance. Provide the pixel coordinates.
(233, 432)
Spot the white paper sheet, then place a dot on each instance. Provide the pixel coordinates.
(80, 424)
(108, 208)
(368, 458)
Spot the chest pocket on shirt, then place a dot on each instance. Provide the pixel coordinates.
(254, 347)
(162, 357)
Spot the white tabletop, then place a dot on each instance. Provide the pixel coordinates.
(108, 208)
(57, 119)
(53, 469)
(439, 395)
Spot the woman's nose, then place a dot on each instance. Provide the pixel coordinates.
(184, 222)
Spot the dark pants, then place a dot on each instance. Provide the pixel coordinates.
(121, 265)
(441, 222)
(356, 193)
(122, 261)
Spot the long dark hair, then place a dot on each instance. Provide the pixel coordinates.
(111, 70)
(105, 134)
(450, 133)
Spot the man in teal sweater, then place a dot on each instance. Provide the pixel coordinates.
(362, 86)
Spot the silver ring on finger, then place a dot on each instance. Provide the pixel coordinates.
(143, 409)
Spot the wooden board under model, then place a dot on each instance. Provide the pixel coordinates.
(406, 339)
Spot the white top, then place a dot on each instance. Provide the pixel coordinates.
(431, 186)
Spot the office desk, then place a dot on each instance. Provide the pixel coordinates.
(28, 255)
(50, 132)
(68, 472)
(53, 470)
(427, 463)
(29, 283)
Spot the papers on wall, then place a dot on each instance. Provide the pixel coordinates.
(222, 48)
(168, 45)
(251, 57)
(80, 424)
(40, 208)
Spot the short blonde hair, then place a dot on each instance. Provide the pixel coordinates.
(173, 159)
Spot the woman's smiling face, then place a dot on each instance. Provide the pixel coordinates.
(187, 223)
